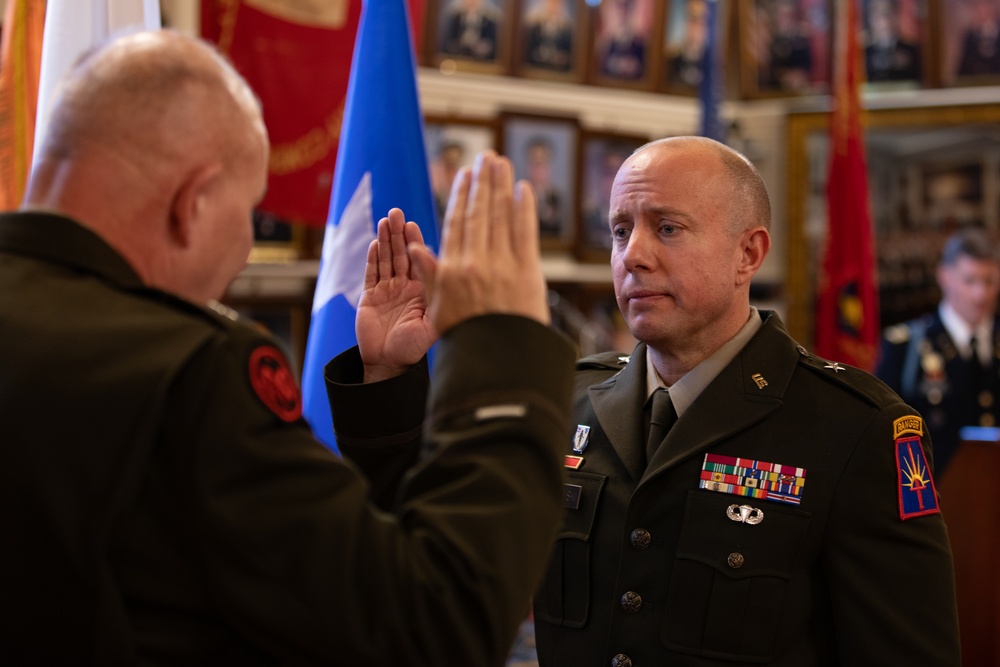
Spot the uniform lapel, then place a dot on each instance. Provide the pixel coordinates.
(618, 403)
(745, 392)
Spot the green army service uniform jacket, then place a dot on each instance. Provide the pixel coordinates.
(163, 502)
(788, 518)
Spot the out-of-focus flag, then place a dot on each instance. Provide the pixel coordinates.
(298, 63)
(710, 88)
(381, 164)
(72, 27)
(847, 316)
(297, 58)
(20, 59)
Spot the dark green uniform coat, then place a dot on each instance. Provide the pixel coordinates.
(651, 569)
(919, 361)
(163, 503)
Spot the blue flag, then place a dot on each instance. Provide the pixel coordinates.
(710, 90)
(381, 164)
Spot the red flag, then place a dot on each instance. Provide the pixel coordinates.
(20, 65)
(847, 320)
(297, 58)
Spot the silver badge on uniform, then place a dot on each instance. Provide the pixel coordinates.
(580, 439)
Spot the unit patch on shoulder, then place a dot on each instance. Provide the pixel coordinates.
(274, 383)
(917, 495)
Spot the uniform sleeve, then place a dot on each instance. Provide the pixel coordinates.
(377, 425)
(888, 551)
(301, 564)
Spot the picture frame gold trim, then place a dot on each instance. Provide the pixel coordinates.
(801, 264)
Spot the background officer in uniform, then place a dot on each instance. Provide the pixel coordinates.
(945, 363)
(162, 501)
(788, 516)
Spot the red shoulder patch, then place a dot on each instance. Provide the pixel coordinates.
(274, 384)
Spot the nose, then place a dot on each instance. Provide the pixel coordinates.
(636, 255)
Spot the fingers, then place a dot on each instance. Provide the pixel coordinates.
(524, 230)
(454, 217)
(480, 214)
(371, 264)
(500, 230)
(423, 265)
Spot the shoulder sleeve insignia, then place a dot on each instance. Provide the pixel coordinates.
(908, 424)
(274, 384)
(917, 495)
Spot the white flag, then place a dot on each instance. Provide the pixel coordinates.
(72, 27)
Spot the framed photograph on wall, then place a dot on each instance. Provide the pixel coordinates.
(544, 150)
(601, 154)
(551, 39)
(276, 240)
(895, 42)
(970, 42)
(471, 35)
(685, 35)
(625, 42)
(452, 143)
(785, 47)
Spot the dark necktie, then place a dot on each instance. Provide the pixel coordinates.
(975, 366)
(662, 417)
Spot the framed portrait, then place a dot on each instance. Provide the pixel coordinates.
(544, 150)
(685, 36)
(601, 154)
(626, 33)
(471, 35)
(970, 42)
(550, 40)
(276, 240)
(931, 171)
(452, 143)
(785, 47)
(895, 42)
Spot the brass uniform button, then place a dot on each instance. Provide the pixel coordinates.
(735, 560)
(631, 602)
(640, 539)
(621, 660)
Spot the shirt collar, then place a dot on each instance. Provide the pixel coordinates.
(684, 392)
(961, 332)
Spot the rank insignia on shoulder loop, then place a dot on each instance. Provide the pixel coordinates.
(917, 495)
(274, 383)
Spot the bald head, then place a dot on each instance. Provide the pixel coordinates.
(150, 97)
(750, 203)
(157, 145)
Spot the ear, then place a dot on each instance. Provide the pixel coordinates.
(191, 200)
(754, 246)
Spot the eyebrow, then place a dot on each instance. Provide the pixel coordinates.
(622, 215)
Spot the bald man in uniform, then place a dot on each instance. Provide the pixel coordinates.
(163, 502)
(731, 497)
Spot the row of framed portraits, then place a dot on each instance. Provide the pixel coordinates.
(570, 168)
(769, 47)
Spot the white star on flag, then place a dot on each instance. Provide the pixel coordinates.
(345, 250)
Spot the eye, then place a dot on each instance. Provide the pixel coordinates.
(619, 233)
(668, 228)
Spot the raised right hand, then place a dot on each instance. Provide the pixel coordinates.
(392, 326)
